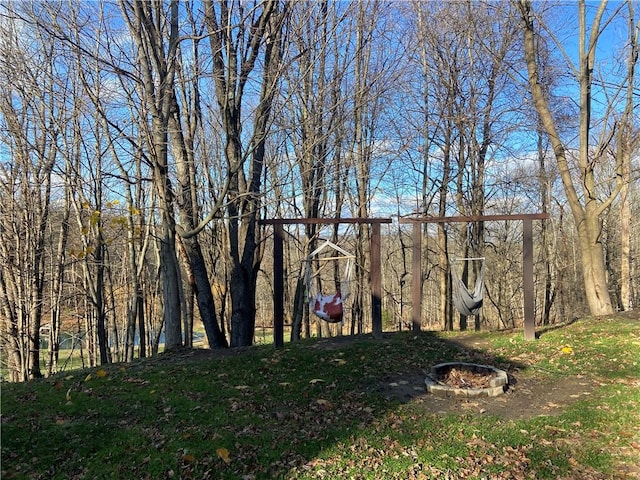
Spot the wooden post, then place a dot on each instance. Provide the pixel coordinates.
(527, 278)
(278, 286)
(376, 282)
(416, 278)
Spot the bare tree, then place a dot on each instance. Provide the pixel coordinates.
(468, 117)
(439, 53)
(627, 142)
(371, 81)
(185, 125)
(137, 134)
(240, 35)
(156, 35)
(586, 200)
(315, 121)
(33, 113)
(59, 270)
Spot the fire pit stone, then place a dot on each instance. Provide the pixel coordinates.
(481, 380)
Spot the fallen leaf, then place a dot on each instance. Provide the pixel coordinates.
(316, 380)
(223, 454)
(101, 373)
(325, 404)
(189, 458)
(87, 378)
(68, 395)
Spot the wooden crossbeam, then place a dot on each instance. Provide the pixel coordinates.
(474, 218)
(322, 221)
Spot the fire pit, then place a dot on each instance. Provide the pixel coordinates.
(466, 380)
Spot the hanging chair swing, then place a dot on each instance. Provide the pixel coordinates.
(328, 307)
(468, 302)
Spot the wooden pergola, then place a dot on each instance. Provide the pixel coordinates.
(278, 268)
(527, 262)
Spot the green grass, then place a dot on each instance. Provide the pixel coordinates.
(307, 411)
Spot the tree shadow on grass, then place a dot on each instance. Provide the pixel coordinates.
(409, 385)
(384, 390)
(294, 406)
(261, 412)
(390, 372)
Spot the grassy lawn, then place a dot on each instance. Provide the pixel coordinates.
(340, 408)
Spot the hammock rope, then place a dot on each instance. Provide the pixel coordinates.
(468, 302)
(329, 307)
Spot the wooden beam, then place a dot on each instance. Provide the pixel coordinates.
(475, 218)
(322, 221)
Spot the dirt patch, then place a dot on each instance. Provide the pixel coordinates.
(524, 397)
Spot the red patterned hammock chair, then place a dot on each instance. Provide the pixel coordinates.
(328, 307)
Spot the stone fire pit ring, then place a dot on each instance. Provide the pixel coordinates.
(497, 381)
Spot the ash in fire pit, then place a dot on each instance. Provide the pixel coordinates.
(466, 379)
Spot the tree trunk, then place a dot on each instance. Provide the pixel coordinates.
(446, 310)
(182, 139)
(158, 80)
(171, 314)
(594, 268)
(546, 252)
(625, 243)
(627, 142)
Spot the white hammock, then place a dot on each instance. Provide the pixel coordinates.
(328, 307)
